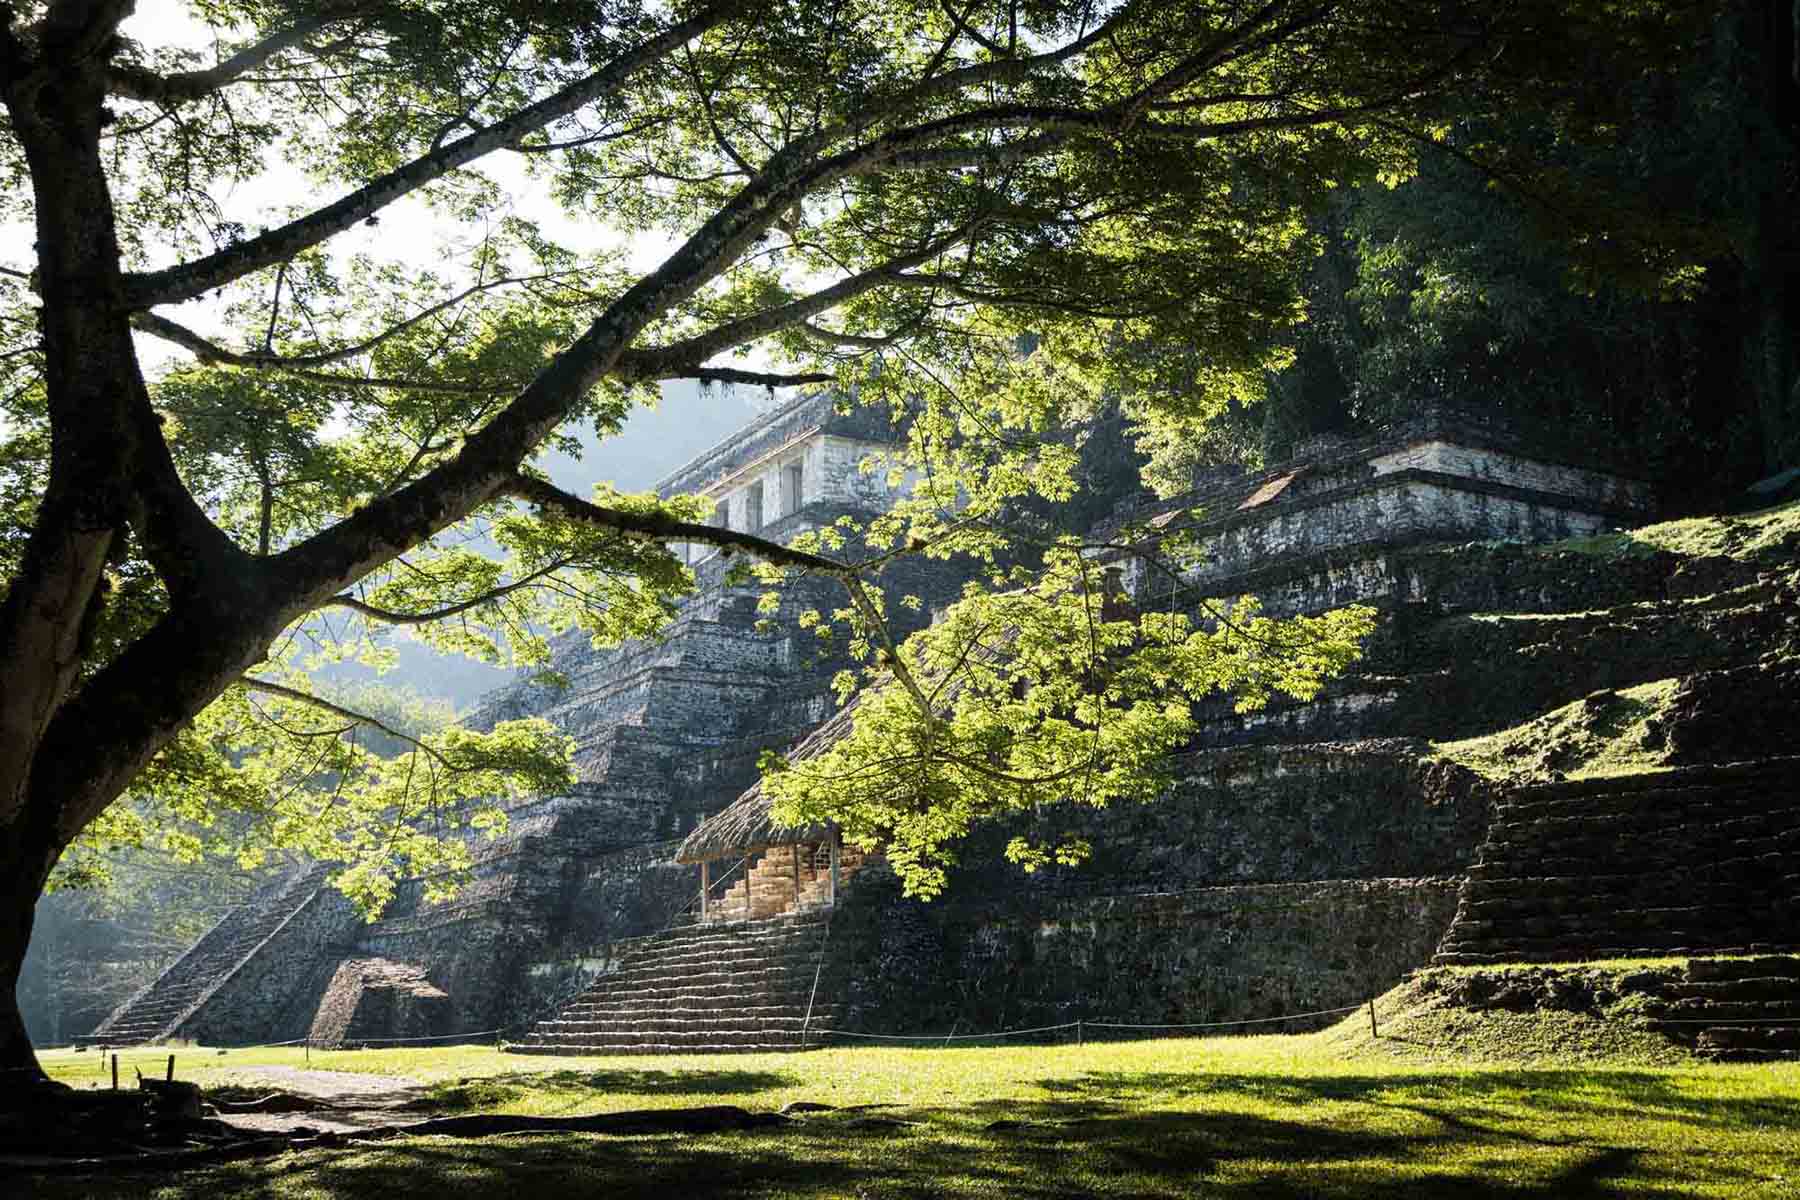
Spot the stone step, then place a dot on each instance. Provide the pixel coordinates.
(1526, 860)
(631, 971)
(1688, 800)
(1691, 798)
(1586, 920)
(691, 1012)
(1743, 988)
(749, 979)
(1616, 910)
(685, 958)
(718, 987)
(1769, 876)
(1584, 821)
(1703, 970)
(723, 1000)
(1545, 886)
(1692, 1013)
(680, 993)
(563, 1030)
(210, 961)
(572, 1050)
(722, 933)
(1750, 1037)
(671, 1037)
(1482, 953)
(1770, 832)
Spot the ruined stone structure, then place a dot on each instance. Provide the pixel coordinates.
(1313, 854)
(666, 733)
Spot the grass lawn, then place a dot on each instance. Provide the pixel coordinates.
(1327, 1115)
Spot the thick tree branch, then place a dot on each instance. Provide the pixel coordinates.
(661, 362)
(770, 379)
(188, 280)
(666, 529)
(140, 83)
(860, 340)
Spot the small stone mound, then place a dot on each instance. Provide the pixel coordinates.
(372, 999)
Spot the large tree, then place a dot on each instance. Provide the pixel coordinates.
(892, 195)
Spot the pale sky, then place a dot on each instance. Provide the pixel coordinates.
(408, 230)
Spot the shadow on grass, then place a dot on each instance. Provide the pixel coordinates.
(1044, 1150)
(1597, 1093)
(1167, 1155)
(1500, 1136)
(494, 1090)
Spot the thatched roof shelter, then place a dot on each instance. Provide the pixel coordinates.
(747, 826)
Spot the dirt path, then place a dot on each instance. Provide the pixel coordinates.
(345, 1101)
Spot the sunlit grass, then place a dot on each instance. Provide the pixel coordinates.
(1744, 537)
(1606, 734)
(1330, 1114)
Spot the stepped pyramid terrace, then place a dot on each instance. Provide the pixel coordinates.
(1310, 856)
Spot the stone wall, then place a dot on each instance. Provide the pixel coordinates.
(1210, 954)
(1271, 880)
(1437, 478)
(1397, 509)
(1479, 636)
(1260, 814)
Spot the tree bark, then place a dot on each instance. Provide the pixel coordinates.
(109, 470)
(25, 863)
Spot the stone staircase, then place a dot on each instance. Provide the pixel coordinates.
(785, 879)
(1697, 860)
(158, 1011)
(703, 989)
(1736, 1010)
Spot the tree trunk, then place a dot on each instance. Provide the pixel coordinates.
(99, 415)
(23, 872)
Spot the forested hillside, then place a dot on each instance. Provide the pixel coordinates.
(1624, 275)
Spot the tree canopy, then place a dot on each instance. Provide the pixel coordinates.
(893, 198)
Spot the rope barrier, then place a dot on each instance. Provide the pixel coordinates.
(1719, 1022)
(446, 1037)
(1324, 1012)
(957, 1037)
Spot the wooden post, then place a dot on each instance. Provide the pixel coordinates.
(170, 1076)
(115, 1065)
(1373, 1031)
(795, 858)
(705, 884)
(834, 866)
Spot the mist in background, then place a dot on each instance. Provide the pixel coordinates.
(653, 443)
